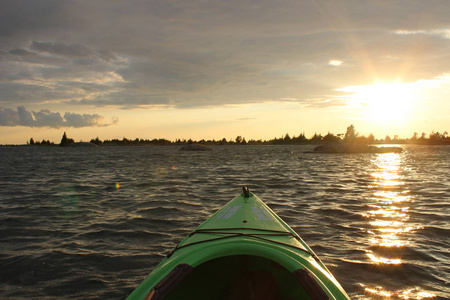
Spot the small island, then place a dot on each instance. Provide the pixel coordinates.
(351, 144)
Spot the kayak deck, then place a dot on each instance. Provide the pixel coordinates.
(243, 251)
(244, 277)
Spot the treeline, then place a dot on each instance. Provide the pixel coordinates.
(351, 136)
(65, 141)
(39, 143)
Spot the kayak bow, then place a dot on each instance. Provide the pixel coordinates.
(243, 251)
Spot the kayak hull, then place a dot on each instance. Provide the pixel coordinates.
(243, 251)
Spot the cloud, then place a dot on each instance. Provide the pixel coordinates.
(335, 63)
(60, 48)
(184, 54)
(58, 72)
(19, 16)
(69, 50)
(20, 52)
(46, 118)
(444, 33)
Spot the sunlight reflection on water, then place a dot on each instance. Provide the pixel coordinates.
(389, 217)
(389, 213)
(378, 292)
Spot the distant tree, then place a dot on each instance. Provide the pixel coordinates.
(32, 141)
(436, 138)
(287, 138)
(300, 139)
(331, 138)
(238, 139)
(65, 141)
(350, 135)
(317, 138)
(387, 139)
(96, 141)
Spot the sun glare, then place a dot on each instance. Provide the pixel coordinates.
(383, 101)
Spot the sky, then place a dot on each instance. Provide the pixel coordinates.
(219, 69)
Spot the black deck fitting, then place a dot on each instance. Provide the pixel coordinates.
(246, 192)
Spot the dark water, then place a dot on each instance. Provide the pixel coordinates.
(93, 222)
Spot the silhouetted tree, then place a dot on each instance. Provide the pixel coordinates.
(317, 138)
(300, 139)
(287, 138)
(387, 139)
(350, 135)
(331, 138)
(96, 141)
(437, 138)
(66, 141)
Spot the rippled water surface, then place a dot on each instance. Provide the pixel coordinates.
(93, 222)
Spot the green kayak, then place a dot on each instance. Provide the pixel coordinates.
(243, 251)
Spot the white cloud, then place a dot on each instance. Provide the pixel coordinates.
(335, 63)
(444, 33)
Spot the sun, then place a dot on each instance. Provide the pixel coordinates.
(383, 101)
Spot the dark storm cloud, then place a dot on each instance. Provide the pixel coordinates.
(210, 53)
(46, 118)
